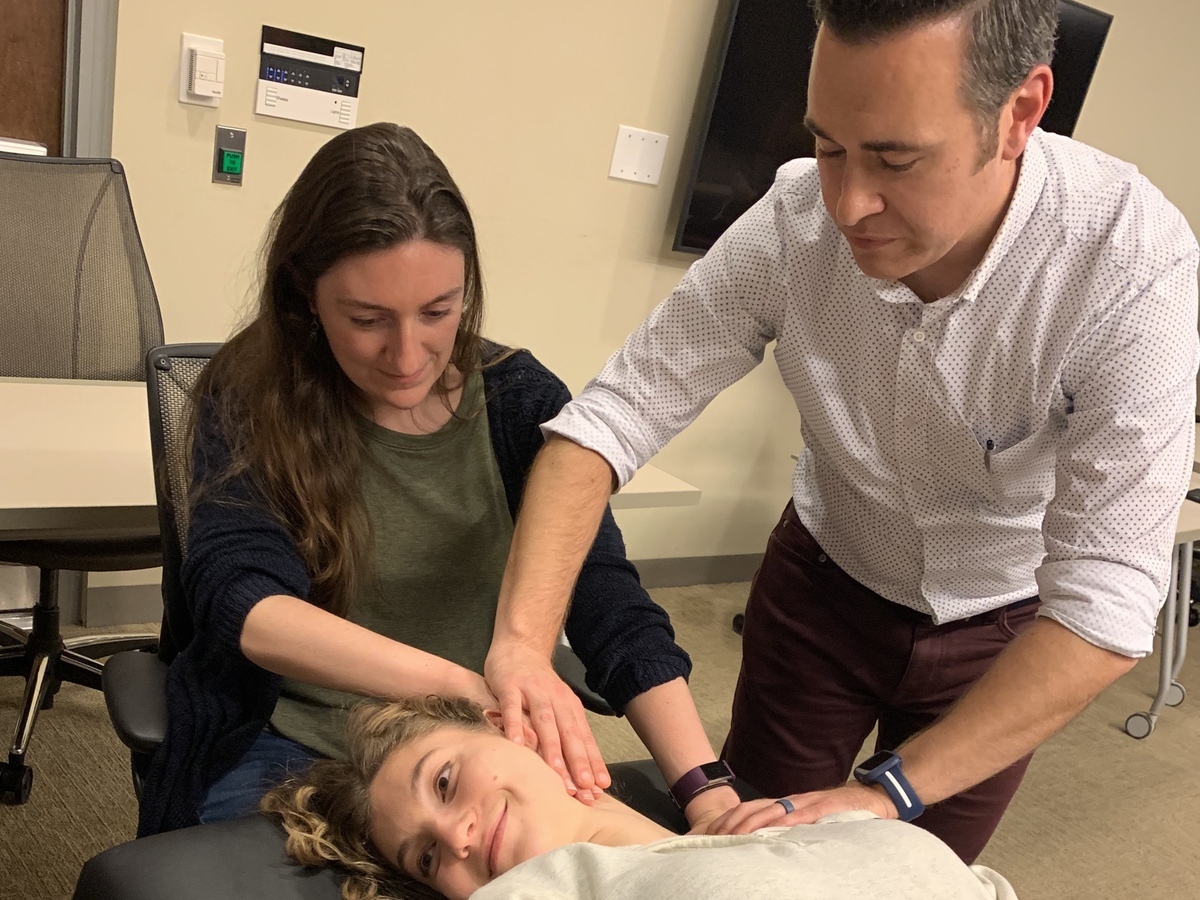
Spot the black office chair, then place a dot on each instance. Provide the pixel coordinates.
(77, 303)
(244, 858)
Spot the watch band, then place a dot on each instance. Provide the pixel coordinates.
(885, 770)
(700, 779)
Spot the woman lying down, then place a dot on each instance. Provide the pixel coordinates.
(434, 801)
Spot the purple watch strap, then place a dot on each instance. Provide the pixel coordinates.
(700, 779)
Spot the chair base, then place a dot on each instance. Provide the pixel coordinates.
(45, 661)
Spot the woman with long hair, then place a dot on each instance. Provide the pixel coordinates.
(359, 456)
(432, 801)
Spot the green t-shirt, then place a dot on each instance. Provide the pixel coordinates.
(442, 533)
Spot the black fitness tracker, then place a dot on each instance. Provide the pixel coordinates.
(884, 769)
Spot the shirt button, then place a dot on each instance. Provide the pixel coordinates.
(918, 336)
(822, 558)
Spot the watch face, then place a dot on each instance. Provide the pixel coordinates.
(714, 770)
(875, 761)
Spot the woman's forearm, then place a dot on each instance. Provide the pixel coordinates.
(666, 720)
(295, 639)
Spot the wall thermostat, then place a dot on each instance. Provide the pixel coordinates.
(308, 79)
(229, 155)
(201, 70)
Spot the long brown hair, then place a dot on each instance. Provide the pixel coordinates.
(326, 812)
(282, 402)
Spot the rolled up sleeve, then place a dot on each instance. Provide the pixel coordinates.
(1123, 470)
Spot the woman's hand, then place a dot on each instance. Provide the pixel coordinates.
(709, 806)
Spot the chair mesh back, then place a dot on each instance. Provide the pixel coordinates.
(174, 410)
(76, 300)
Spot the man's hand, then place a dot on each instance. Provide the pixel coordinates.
(755, 814)
(525, 683)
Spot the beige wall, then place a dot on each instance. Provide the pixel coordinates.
(522, 100)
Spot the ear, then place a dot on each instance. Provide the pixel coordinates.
(1024, 111)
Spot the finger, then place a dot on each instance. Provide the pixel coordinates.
(512, 714)
(544, 723)
(531, 738)
(772, 814)
(579, 746)
(731, 821)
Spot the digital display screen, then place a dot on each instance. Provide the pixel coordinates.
(231, 162)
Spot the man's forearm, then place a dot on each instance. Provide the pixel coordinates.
(1043, 680)
(565, 498)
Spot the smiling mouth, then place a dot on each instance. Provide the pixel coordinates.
(493, 846)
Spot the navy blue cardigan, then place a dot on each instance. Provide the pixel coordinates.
(218, 701)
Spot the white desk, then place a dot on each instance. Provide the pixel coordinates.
(1173, 648)
(652, 487)
(75, 457)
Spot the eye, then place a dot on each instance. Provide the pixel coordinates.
(823, 153)
(364, 323)
(425, 863)
(441, 784)
(436, 313)
(898, 167)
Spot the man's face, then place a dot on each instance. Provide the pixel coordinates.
(899, 152)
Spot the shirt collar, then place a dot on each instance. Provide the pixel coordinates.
(1031, 180)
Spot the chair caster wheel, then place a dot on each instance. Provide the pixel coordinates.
(1176, 694)
(1139, 726)
(739, 622)
(15, 783)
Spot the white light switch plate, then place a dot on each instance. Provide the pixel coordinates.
(638, 155)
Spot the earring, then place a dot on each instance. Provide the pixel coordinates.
(315, 329)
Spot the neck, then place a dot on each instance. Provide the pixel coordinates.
(611, 823)
(950, 272)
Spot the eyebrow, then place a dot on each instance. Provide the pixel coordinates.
(378, 307)
(417, 776)
(871, 146)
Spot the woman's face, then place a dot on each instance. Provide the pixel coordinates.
(391, 318)
(456, 808)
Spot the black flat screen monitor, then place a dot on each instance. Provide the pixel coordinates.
(754, 120)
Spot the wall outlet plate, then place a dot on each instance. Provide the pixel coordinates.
(638, 155)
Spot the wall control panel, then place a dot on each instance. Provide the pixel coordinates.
(308, 79)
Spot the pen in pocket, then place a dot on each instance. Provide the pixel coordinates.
(988, 446)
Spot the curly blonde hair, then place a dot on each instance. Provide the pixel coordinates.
(326, 811)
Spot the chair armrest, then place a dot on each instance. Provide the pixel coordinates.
(135, 691)
(242, 859)
(570, 669)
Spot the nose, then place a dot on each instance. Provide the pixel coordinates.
(858, 198)
(460, 831)
(403, 350)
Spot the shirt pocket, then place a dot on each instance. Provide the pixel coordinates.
(1019, 480)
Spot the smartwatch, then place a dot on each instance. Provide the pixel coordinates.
(700, 779)
(884, 770)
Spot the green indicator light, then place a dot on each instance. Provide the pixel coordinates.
(231, 162)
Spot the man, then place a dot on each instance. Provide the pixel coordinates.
(990, 335)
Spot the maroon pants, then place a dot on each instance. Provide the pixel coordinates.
(825, 659)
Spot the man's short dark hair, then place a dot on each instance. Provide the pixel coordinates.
(1005, 40)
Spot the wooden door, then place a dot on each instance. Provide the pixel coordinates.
(32, 55)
